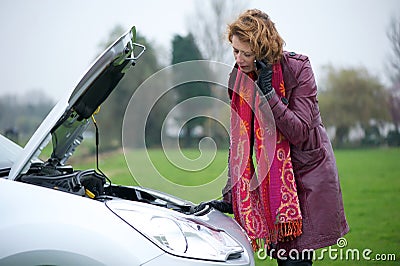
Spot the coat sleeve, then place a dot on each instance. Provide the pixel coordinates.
(294, 118)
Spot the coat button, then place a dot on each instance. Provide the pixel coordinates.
(292, 53)
(285, 101)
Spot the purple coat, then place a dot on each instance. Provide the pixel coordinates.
(298, 118)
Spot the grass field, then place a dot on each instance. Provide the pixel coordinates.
(370, 183)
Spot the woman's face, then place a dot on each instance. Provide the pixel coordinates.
(244, 57)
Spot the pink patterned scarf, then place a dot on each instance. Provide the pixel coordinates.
(265, 203)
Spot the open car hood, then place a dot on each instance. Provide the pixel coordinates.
(69, 118)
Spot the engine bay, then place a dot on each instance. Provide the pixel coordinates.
(92, 184)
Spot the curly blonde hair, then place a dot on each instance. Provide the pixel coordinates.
(255, 27)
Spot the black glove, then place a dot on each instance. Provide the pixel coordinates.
(220, 205)
(264, 80)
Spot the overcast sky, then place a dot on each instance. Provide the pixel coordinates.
(48, 44)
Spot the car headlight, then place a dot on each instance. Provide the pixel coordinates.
(177, 234)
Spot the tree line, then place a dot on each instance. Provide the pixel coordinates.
(351, 99)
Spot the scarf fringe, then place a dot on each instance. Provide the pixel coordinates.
(283, 232)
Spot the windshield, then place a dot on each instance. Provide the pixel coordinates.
(9, 152)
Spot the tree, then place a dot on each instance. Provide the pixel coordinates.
(352, 97)
(185, 49)
(393, 35)
(208, 26)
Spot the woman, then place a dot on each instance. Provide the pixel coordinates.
(283, 214)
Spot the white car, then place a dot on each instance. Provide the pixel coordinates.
(51, 214)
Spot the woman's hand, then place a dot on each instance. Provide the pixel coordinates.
(264, 80)
(220, 205)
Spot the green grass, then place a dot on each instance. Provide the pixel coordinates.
(370, 182)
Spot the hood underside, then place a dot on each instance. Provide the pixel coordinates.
(69, 118)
